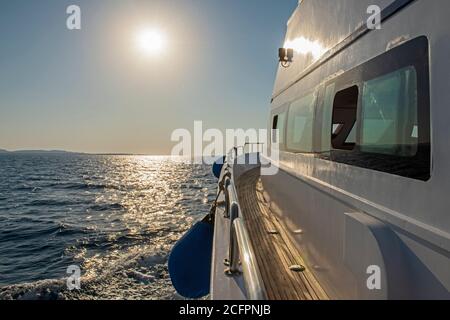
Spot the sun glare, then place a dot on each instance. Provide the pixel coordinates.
(305, 46)
(150, 41)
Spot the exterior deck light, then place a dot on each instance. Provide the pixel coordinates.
(286, 57)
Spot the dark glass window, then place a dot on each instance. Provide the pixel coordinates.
(300, 124)
(389, 114)
(381, 113)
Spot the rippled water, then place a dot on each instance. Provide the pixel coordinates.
(115, 216)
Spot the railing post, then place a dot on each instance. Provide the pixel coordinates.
(233, 251)
(227, 198)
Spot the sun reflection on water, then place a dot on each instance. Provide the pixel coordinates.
(155, 200)
(118, 217)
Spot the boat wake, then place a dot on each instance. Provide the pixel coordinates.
(114, 217)
(140, 274)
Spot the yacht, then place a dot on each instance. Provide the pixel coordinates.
(359, 205)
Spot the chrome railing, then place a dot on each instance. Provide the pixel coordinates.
(241, 256)
(257, 147)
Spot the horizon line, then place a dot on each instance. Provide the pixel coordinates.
(79, 152)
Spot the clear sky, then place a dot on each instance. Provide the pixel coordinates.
(92, 90)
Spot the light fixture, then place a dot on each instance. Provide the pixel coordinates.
(285, 56)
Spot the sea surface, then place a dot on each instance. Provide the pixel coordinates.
(116, 217)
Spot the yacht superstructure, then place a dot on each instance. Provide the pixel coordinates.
(359, 208)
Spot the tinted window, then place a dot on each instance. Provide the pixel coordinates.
(300, 125)
(389, 114)
(392, 108)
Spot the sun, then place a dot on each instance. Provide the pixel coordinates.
(150, 41)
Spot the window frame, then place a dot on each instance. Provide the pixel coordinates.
(276, 113)
(391, 61)
(355, 125)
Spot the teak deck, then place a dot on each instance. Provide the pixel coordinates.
(274, 250)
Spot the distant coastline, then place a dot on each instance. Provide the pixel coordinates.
(4, 151)
(39, 151)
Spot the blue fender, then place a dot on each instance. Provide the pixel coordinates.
(190, 261)
(217, 166)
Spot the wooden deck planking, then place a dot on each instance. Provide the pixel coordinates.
(275, 252)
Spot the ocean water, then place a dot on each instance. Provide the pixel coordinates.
(116, 217)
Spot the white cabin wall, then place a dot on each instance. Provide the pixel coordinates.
(418, 211)
(326, 21)
(424, 202)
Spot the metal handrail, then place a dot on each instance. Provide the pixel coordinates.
(241, 254)
(255, 144)
(253, 282)
(233, 154)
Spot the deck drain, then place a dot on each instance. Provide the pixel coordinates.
(297, 268)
